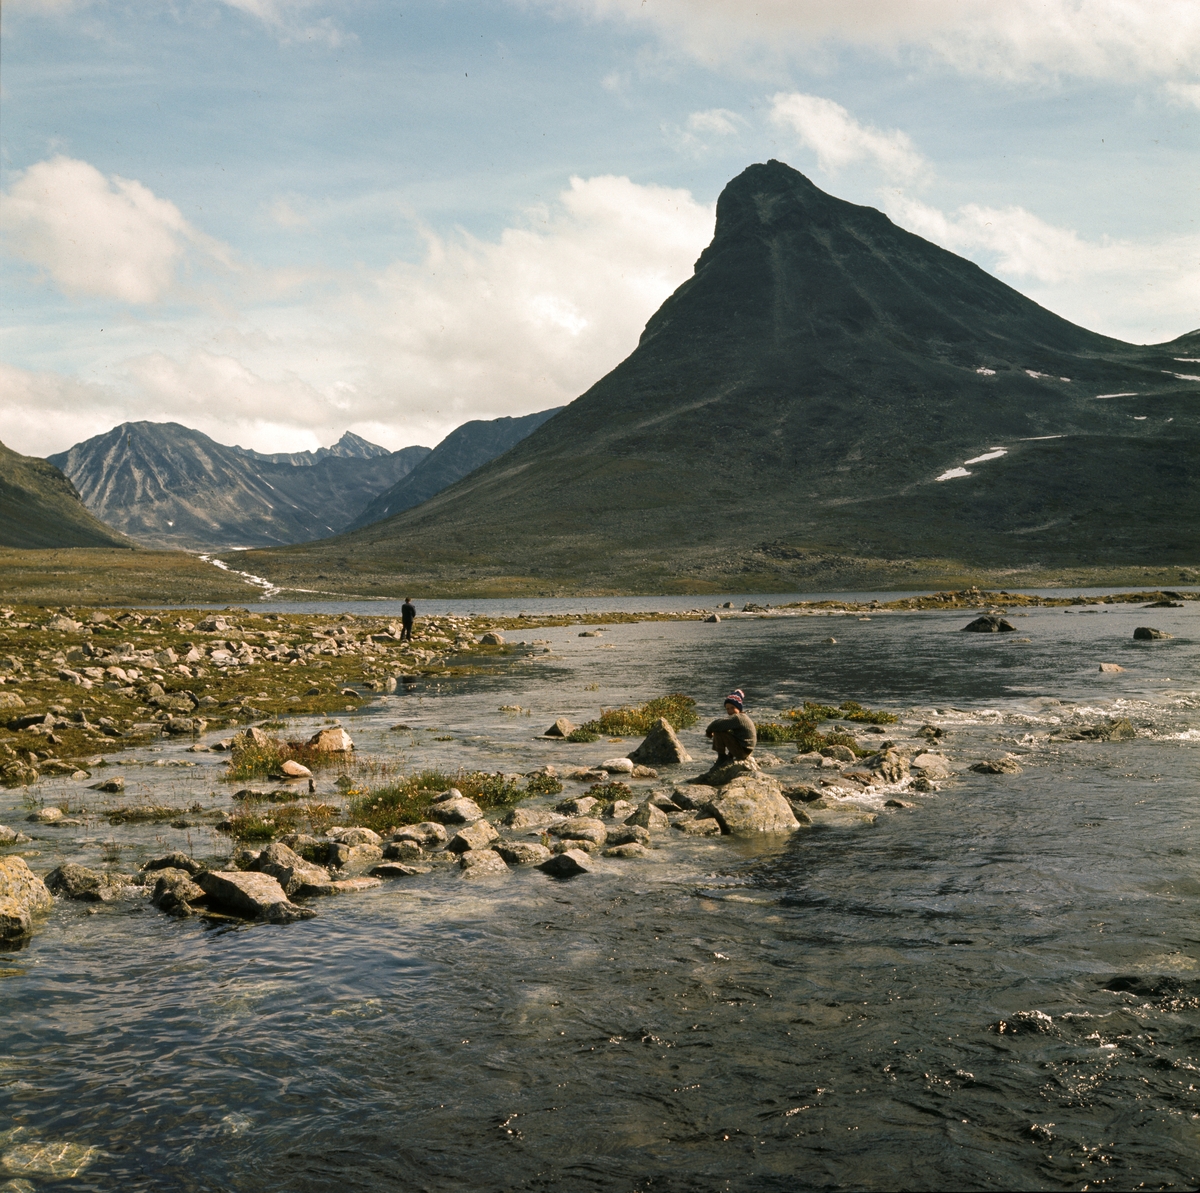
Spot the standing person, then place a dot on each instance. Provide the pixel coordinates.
(408, 614)
(733, 735)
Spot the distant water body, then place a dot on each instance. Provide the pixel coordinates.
(549, 606)
(818, 1012)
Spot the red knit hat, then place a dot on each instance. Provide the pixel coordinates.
(738, 697)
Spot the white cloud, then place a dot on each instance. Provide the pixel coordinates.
(1185, 93)
(1005, 39)
(476, 329)
(1133, 289)
(839, 140)
(720, 121)
(105, 237)
(288, 20)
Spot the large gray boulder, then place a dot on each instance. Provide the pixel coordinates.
(891, 765)
(718, 776)
(23, 897)
(474, 836)
(288, 868)
(753, 804)
(481, 863)
(456, 810)
(522, 853)
(568, 865)
(661, 747)
(251, 895)
(581, 828)
(175, 891)
(1145, 633)
(351, 860)
(650, 817)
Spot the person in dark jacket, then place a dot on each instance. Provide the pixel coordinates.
(733, 735)
(408, 614)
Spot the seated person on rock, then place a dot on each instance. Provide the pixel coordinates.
(733, 735)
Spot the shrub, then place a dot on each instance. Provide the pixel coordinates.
(806, 736)
(678, 709)
(583, 734)
(543, 785)
(609, 793)
(848, 710)
(407, 800)
(256, 762)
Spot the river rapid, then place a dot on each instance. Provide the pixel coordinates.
(815, 1012)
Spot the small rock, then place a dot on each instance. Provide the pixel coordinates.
(890, 764)
(251, 896)
(630, 850)
(294, 770)
(1037, 1022)
(617, 766)
(23, 897)
(561, 728)
(831, 641)
(249, 738)
(839, 753)
(922, 785)
(331, 741)
(46, 816)
(355, 835)
(456, 811)
(712, 617)
(481, 863)
(175, 891)
(1111, 667)
(89, 886)
(288, 868)
(520, 818)
(1006, 764)
(113, 785)
(649, 817)
(899, 803)
(427, 834)
(1145, 634)
(522, 853)
(579, 806)
(629, 834)
(403, 851)
(354, 859)
(643, 772)
(478, 835)
(567, 865)
(491, 638)
(581, 828)
(990, 623)
(932, 766)
(699, 827)
(338, 886)
(398, 870)
(661, 747)
(173, 861)
(619, 809)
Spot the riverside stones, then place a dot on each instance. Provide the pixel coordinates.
(1005, 764)
(294, 770)
(402, 851)
(522, 853)
(618, 766)
(581, 828)
(23, 896)
(173, 861)
(10, 836)
(1145, 633)
(661, 747)
(355, 835)
(89, 886)
(718, 776)
(700, 827)
(353, 859)
(630, 850)
(427, 834)
(289, 869)
(520, 818)
(46, 816)
(891, 764)
(339, 886)
(398, 870)
(452, 807)
(619, 809)
(649, 817)
(491, 638)
(331, 741)
(175, 891)
(629, 834)
(478, 835)
(932, 766)
(568, 865)
(753, 804)
(580, 806)
(481, 863)
(990, 623)
(251, 895)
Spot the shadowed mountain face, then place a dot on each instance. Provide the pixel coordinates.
(350, 447)
(169, 486)
(462, 451)
(40, 508)
(799, 398)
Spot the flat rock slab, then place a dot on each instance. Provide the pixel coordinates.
(522, 853)
(1005, 765)
(398, 870)
(581, 828)
(629, 850)
(841, 817)
(251, 896)
(705, 827)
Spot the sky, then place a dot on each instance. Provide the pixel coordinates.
(278, 220)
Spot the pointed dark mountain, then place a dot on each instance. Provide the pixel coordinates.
(462, 451)
(797, 399)
(169, 486)
(40, 508)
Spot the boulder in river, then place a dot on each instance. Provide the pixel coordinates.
(356, 835)
(522, 853)
(481, 863)
(619, 809)
(990, 623)
(1005, 764)
(1120, 729)
(175, 892)
(1145, 633)
(46, 816)
(251, 895)
(350, 860)
(177, 860)
(579, 806)
(10, 836)
(456, 809)
(71, 881)
(295, 770)
(561, 728)
(568, 865)
(334, 740)
(629, 833)
(718, 776)
(581, 828)
(649, 817)
(520, 818)
(478, 835)
(890, 764)
(427, 834)
(397, 870)
(288, 868)
(113, 786)
(753, 804)
(491, 638)
(629, 850)
(402, 851)
(839, 753)
(1111, 667)
(617, 766)
(932, 766)
(23, 896)
(699, 826)
(661, 747)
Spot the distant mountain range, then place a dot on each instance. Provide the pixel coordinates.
(826, 388)
(166, 485)
(462, 451)
(40, 508)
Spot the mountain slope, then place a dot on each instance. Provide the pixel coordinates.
(462, 451)
(350, 447)
(40, 508)
(796, 400)
(169, 486)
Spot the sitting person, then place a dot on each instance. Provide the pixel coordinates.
(733, 735)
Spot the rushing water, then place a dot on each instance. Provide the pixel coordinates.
(818, 1012)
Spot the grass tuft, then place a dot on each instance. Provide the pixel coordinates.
(678, 709)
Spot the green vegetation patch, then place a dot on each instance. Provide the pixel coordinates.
(807, 736)
(408, 800)
(258, 760)
(629, 721)
(848, 710)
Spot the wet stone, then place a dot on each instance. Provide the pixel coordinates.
(427, 834)
(570, 864)
(581, 828)
(522, 853)
(699, 827)
(398, 870)
(630, 850)
(481, 863)
(475, 836)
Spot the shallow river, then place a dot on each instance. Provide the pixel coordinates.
(819, 1012)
